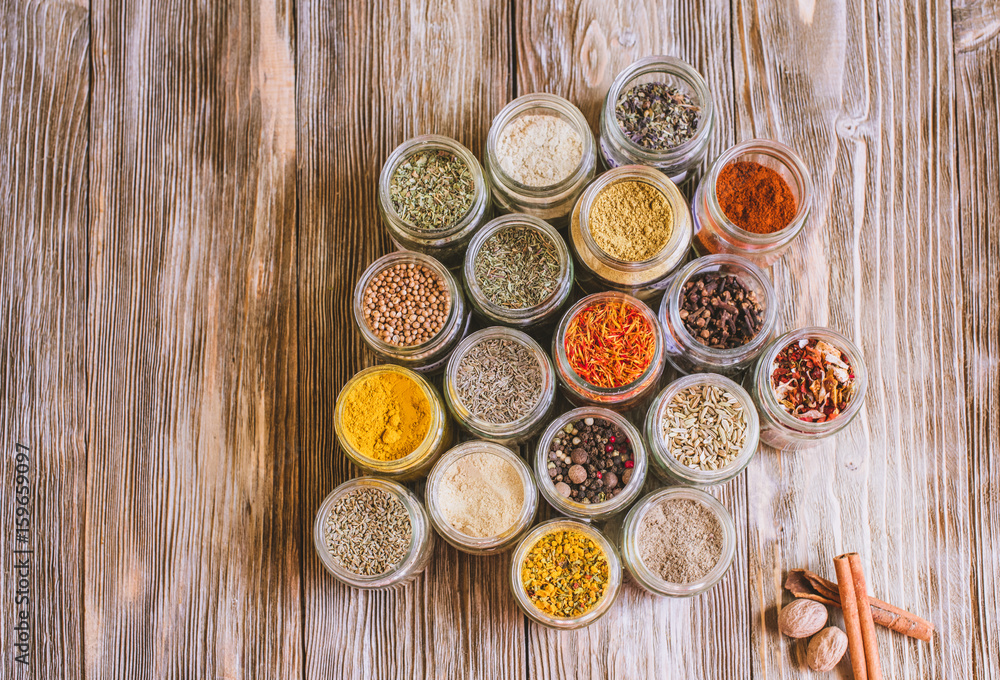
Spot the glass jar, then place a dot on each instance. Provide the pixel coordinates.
(688, 355)
(427, 357)
(653, 583)
(598, 270)
(716, 233)
(414, 465)
(554, 202)
(618, 149)
(448, 244)
(472, 544)
(610, 592)
(596, 512)
(780, 429)
(506, 433)
(421, 545)
(662, 461)
(539, 314)
(578, 390)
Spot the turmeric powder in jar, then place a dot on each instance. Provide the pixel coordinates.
(391, 421)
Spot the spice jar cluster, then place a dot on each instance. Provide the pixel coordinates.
(519, 310)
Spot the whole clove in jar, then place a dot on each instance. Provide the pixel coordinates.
(719, 311)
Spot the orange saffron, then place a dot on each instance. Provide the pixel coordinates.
(610, 344)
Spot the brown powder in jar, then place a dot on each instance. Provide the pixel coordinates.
(680, 540)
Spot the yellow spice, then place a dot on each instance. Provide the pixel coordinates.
(386, 416)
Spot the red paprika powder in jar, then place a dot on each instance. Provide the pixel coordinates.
(752, 202)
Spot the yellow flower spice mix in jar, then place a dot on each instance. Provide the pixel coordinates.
(630, 229)
(565, 574)
(391, 420)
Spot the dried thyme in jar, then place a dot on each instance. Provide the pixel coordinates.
(368, 531)
(499, 381)
(432, 189)
(657, 116)
(517, 268)
(705, 427)
(565, 573)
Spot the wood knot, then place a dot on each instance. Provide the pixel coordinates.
(594, 55)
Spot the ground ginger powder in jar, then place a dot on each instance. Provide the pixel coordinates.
(386, 416)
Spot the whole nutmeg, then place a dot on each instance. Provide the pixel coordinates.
(577, 474)
(562, 488)
(826, 649)
(802, 618)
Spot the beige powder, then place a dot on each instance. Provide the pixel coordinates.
(481, 495)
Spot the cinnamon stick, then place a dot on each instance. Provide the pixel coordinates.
(852, 619)
(867, 624)
(804, 583)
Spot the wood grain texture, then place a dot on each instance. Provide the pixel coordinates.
(864, 91)
(192, 546)
(575, 50)
(977, 85)
(370, 76)
(45, 85)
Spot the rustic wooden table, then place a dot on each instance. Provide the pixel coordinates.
(187, 195)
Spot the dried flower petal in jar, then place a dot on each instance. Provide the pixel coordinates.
(609, 350)
(565, 573)
(812, 380)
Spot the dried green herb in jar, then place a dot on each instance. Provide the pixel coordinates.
(517, 268)
(657, 116)
(432, 190)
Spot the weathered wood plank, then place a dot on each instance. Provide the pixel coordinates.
(864, 91)
(370, 76)
(45, 85)
(576, 50)
(193, 545)
(977, 76)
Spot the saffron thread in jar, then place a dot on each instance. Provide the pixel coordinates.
(610, 344)
(813, 380)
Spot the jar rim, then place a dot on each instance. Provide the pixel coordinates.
(676, 68)
(637, 514)
(769, 403)
(580, 386)
(680, 224)
(560, 107)
(548, 387)
(795, 166)
(455, 313)
(462, 541)
(538, 532)
(426, 446)
(418, 521)
(480, 200)
(659, 448)
(670, 305)
(591, 511)
(512, 221)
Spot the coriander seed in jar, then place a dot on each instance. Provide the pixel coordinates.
(540, 154)
(410, 311)
(629, 231)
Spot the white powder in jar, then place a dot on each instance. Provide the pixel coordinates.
(481, 495)
(539, 150)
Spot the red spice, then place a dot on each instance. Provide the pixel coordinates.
(755, 197)
(610, 344)
(812, 380)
